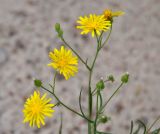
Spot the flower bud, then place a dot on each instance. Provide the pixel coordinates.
(60, 33)
(37, 83)
(111, 78)
(100, 85)
(57, 27)
(125, 77)
(104, 119)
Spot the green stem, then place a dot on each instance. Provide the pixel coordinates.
(97, 113)
(54, 82)
(95, 59)
(94, 91)
(61, 124)
(75, 53)
(90, 95)
(105, 104)
(56, 104)
(82, 109)
(62, 102)
(102, 132)
(90, 127)
(153, 124)
(105, 80)
(107, 38)
(90, 103)
(97, 51)
(90, 77)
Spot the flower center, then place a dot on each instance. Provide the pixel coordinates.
(36, 108)
(93, 26)
(63, 62)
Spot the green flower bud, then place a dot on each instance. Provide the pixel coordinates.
(100, 85)
(111, 78)
(104, 119)
(57, 27)
(37, 83)
(125, 77)
(60, 33)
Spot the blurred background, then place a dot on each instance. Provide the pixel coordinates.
(27, 35)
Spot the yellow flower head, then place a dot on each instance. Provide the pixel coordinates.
(36, 108)
(64, 62)
(108, 14)
(93, 23)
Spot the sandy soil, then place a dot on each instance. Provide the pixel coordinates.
(27, 35)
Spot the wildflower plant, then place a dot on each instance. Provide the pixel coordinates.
(65, 62)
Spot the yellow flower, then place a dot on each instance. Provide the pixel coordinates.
(36, 108)
(108, 14)
(64, 62)
(93, 23)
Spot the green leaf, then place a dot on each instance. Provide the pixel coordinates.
(80, 105)
(157, 131)
(101, 99)
(140, 125)
(137, 131)
(131, 127)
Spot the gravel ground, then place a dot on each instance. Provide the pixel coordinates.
(27, 35)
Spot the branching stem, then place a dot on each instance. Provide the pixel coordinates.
(85, 63)
(105, 104)
(60, 102)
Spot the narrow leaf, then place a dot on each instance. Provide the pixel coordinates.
(157, 131)
(131, 127)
